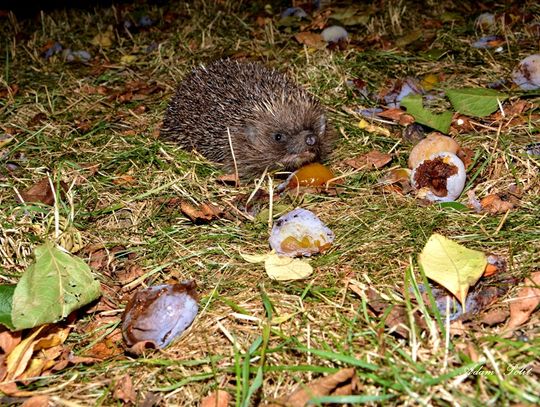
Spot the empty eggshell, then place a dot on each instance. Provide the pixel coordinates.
(434, 143)
(159, 314)
(441, 178)
(300, 233)
(527, 73)
(334, 33)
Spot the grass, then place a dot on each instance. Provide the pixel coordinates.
(256, 338)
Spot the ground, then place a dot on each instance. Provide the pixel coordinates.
(92, 121)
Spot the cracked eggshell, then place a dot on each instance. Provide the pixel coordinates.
(160, 313)
(434, 143)
(527, 74)
(300, 233)
(441, 178)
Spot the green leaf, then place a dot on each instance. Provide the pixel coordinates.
(452, 265)
(440, 122)
(56, 284)
(475, 101)
(6, 299)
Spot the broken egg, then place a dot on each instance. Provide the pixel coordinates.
(311, 175)
(434, 143)
(300, 233)
(159, 314)
(527, 74)
(441, 178)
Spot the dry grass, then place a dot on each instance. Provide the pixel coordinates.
(121, 177)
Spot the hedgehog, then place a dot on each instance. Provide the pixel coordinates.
(248, 118)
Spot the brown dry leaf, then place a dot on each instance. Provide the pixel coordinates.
(400, 178)
(128, 273)
(218, 398)
(124, 391)
(525, 303)
(495, 316)
(103, 350)
(343, 382)
(36, 401)
(17, 361)
(125, 179)
(373, 159)
(494, 205)
(204, 213)
(37, 352)
(10, 90)
(8, 340)
(229, 179)
(397, 319)
(37, 119)
(310, 39)
(392, 114)
(42, 192)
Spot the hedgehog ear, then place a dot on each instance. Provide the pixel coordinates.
(322, 124)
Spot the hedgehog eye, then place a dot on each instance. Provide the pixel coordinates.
(278, 136)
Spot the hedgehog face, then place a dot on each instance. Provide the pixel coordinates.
(288, 140)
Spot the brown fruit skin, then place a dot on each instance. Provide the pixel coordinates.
(273, 123)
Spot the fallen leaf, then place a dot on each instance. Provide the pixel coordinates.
(229, 179)
(125, 179)
(104, 39)
(371, 128)
(37, 119)
(8, 340)
(525, 302)
(254, 258)
(373, 159)
(392, 114)
(53, 286)
(284, 268)
(310, 39)
(42, 192)
(343, 382)
(494, 205)
(451, 265)
(218, 398)
(127, 59)
(124, 391)
(495, 316)
(397, 318)
(414, 106)
(475, 101)
(36, 401)
(17, 361)
(204, 213)
(10, 90)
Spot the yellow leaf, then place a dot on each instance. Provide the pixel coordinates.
(284, 268)
(371, 128)
(128, 59)
(254, 258)
(104, 39)
(429, 81)
(451, 265)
